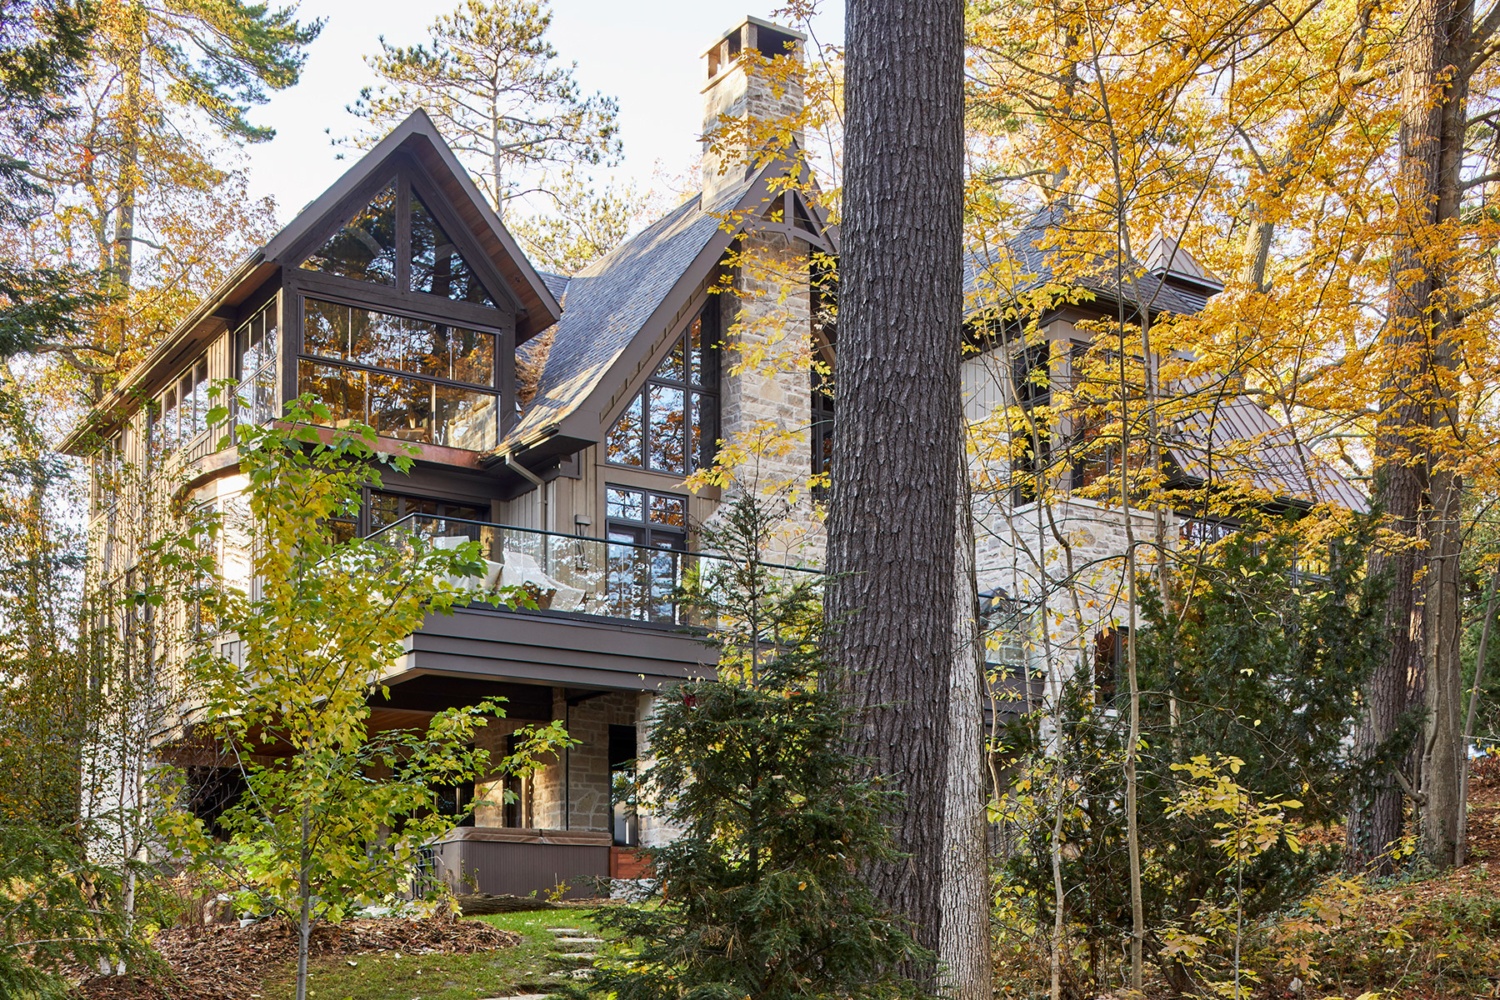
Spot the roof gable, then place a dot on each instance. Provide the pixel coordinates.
(616, 309)
(438, 175)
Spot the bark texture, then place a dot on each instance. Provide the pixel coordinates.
(895, 470)
(965, 955)
(1415, 485)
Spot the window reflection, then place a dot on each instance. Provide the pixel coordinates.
(255, 364)
(644, 567)
(398, 343)
(365, 248)
(672, 426)
(437, 266)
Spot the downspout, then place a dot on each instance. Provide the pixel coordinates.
(535, 480)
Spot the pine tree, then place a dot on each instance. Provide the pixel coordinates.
(760, 894)
(491, 81)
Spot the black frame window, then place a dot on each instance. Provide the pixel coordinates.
(255, 345)
(642, 582)
(823, 423)
(672, 425)
(181, 416)
(411, 379)
(1031, 371)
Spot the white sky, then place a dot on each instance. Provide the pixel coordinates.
(646, 54)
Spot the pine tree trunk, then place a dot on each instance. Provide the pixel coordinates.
(1410, 435)
(965, 953)
(890, 539)
(122, 269)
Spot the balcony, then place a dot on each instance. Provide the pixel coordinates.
(608, 614)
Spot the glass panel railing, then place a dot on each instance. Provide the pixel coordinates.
(577, 574)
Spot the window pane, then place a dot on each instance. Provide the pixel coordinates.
(666, 428)
(325, 329)
(473, 354)
(437, 267)
(401, 407)
(623, 445)
(699, 358)
(465, 419)
(365, 249)
(674, 365)
(626, 505)
(669, 510)
(341, 390)
(701, 432)
(385, 508)
(382, 341)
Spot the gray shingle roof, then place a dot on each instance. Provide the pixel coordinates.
(1028, 268)
(606, 304)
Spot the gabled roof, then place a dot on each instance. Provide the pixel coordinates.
(641, 285)
(419, 138)
(1237, 441)
(1026, 260)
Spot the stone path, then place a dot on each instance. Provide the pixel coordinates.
(574, 958)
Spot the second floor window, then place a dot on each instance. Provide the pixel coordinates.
(822, 423)
(182, 411)
(672, 425)
(255, 364)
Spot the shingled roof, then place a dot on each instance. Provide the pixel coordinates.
(1022, 264)
(609, 302)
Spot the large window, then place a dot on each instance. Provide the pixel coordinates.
(255, 364)
(365, 248)
(374, 246)
(393, 373)
(672, 426)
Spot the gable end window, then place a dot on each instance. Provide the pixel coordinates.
(396, 240)
(672, 425)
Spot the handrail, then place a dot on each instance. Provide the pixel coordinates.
(418, 515)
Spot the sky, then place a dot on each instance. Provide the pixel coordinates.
(646, 54)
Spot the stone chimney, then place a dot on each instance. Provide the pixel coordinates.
(739, 86)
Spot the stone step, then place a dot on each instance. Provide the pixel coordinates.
(524, 996)
(566, 930)
(579, 940)
(575, 956)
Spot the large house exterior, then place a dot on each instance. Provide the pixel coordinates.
(555, 420)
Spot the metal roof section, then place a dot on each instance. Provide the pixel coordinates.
(1237, 441)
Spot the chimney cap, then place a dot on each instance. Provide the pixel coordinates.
(788, 34)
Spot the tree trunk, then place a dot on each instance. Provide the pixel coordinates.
(1473, 714)
(1410, 442)
(965, 952)
(122, 268)
(890, 539)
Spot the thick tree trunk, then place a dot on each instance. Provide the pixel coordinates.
(1413, 470)
(965, 953)
(890, 539)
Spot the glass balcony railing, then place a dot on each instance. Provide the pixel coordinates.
(578, 574)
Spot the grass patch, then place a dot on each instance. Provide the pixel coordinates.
(508, 971)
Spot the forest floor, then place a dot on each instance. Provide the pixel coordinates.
(374, 959)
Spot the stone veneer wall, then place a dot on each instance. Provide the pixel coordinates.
(766, 391)
(744, 90)
(572, 792)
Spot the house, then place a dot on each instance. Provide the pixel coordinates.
(554, 420)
